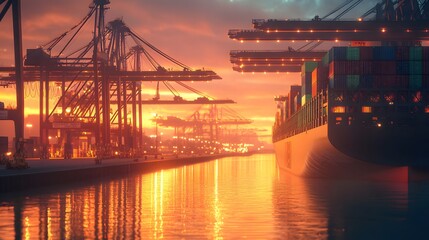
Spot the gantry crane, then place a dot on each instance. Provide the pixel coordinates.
(403, 22)
(204, 124)
(394, 21)
(272, 61)
(17, 115)
(100, 84)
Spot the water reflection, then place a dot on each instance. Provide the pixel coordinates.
(189, 202)
(350, 209)
(228, 198)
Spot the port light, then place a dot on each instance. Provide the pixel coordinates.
(338, 109)
(366, 109)
(427, 109)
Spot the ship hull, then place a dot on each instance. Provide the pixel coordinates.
(311, 154)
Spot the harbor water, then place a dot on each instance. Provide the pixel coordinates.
(229, 198)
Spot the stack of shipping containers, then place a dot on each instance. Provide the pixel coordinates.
(365, 84)
(378, 79)
(378, 67)
(306, 81)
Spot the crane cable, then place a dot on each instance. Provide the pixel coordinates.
(171, 88)
(347, 9)
(353, 5)
(194, 90)
(337, 9)
(151, 59)
(51, 44)
(159, 51)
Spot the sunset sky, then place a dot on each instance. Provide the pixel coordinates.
(192, 31)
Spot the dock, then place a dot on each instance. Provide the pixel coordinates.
(45, 173)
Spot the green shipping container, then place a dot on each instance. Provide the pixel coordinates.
(353, 53)
(352, 81)
(416, 67)
(416, 53)
(415, 81)
(308, 67)
(325, 60)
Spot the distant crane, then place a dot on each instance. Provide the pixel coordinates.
(206, 125)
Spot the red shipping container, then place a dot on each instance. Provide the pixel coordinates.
(384, 67)
(365, 53)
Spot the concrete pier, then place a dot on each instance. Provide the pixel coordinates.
(45, 173)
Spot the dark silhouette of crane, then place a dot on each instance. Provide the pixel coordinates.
(400, 21)
(272, 61)
(16, 115)
(389, 22)
(101, 84)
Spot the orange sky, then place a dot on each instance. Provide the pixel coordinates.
(192, 31)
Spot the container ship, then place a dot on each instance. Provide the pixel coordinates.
(358, 111)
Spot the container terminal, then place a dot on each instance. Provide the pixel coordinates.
(91, 104)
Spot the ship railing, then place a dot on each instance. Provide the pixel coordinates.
(311, 115)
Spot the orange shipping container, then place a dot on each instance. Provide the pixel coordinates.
(314, 83)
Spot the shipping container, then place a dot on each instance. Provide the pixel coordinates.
(416, 67)
(305, 99)
(294, 94)
(415, 81)
(365, 53)
(402, 53)
(353, 53)
(338, 82)
(314, 84)
(352, 81)
(425, 67)
(385, 53)
(322, 78)
(297, 103)
(4, 145)
(325, 60)
(425, 81)
(416, 53)
(353, 67)
(384, 68)
(403, 67)
(306, 75)
(425, 53)
(366, 81)
(338, 54)
(308, 67)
